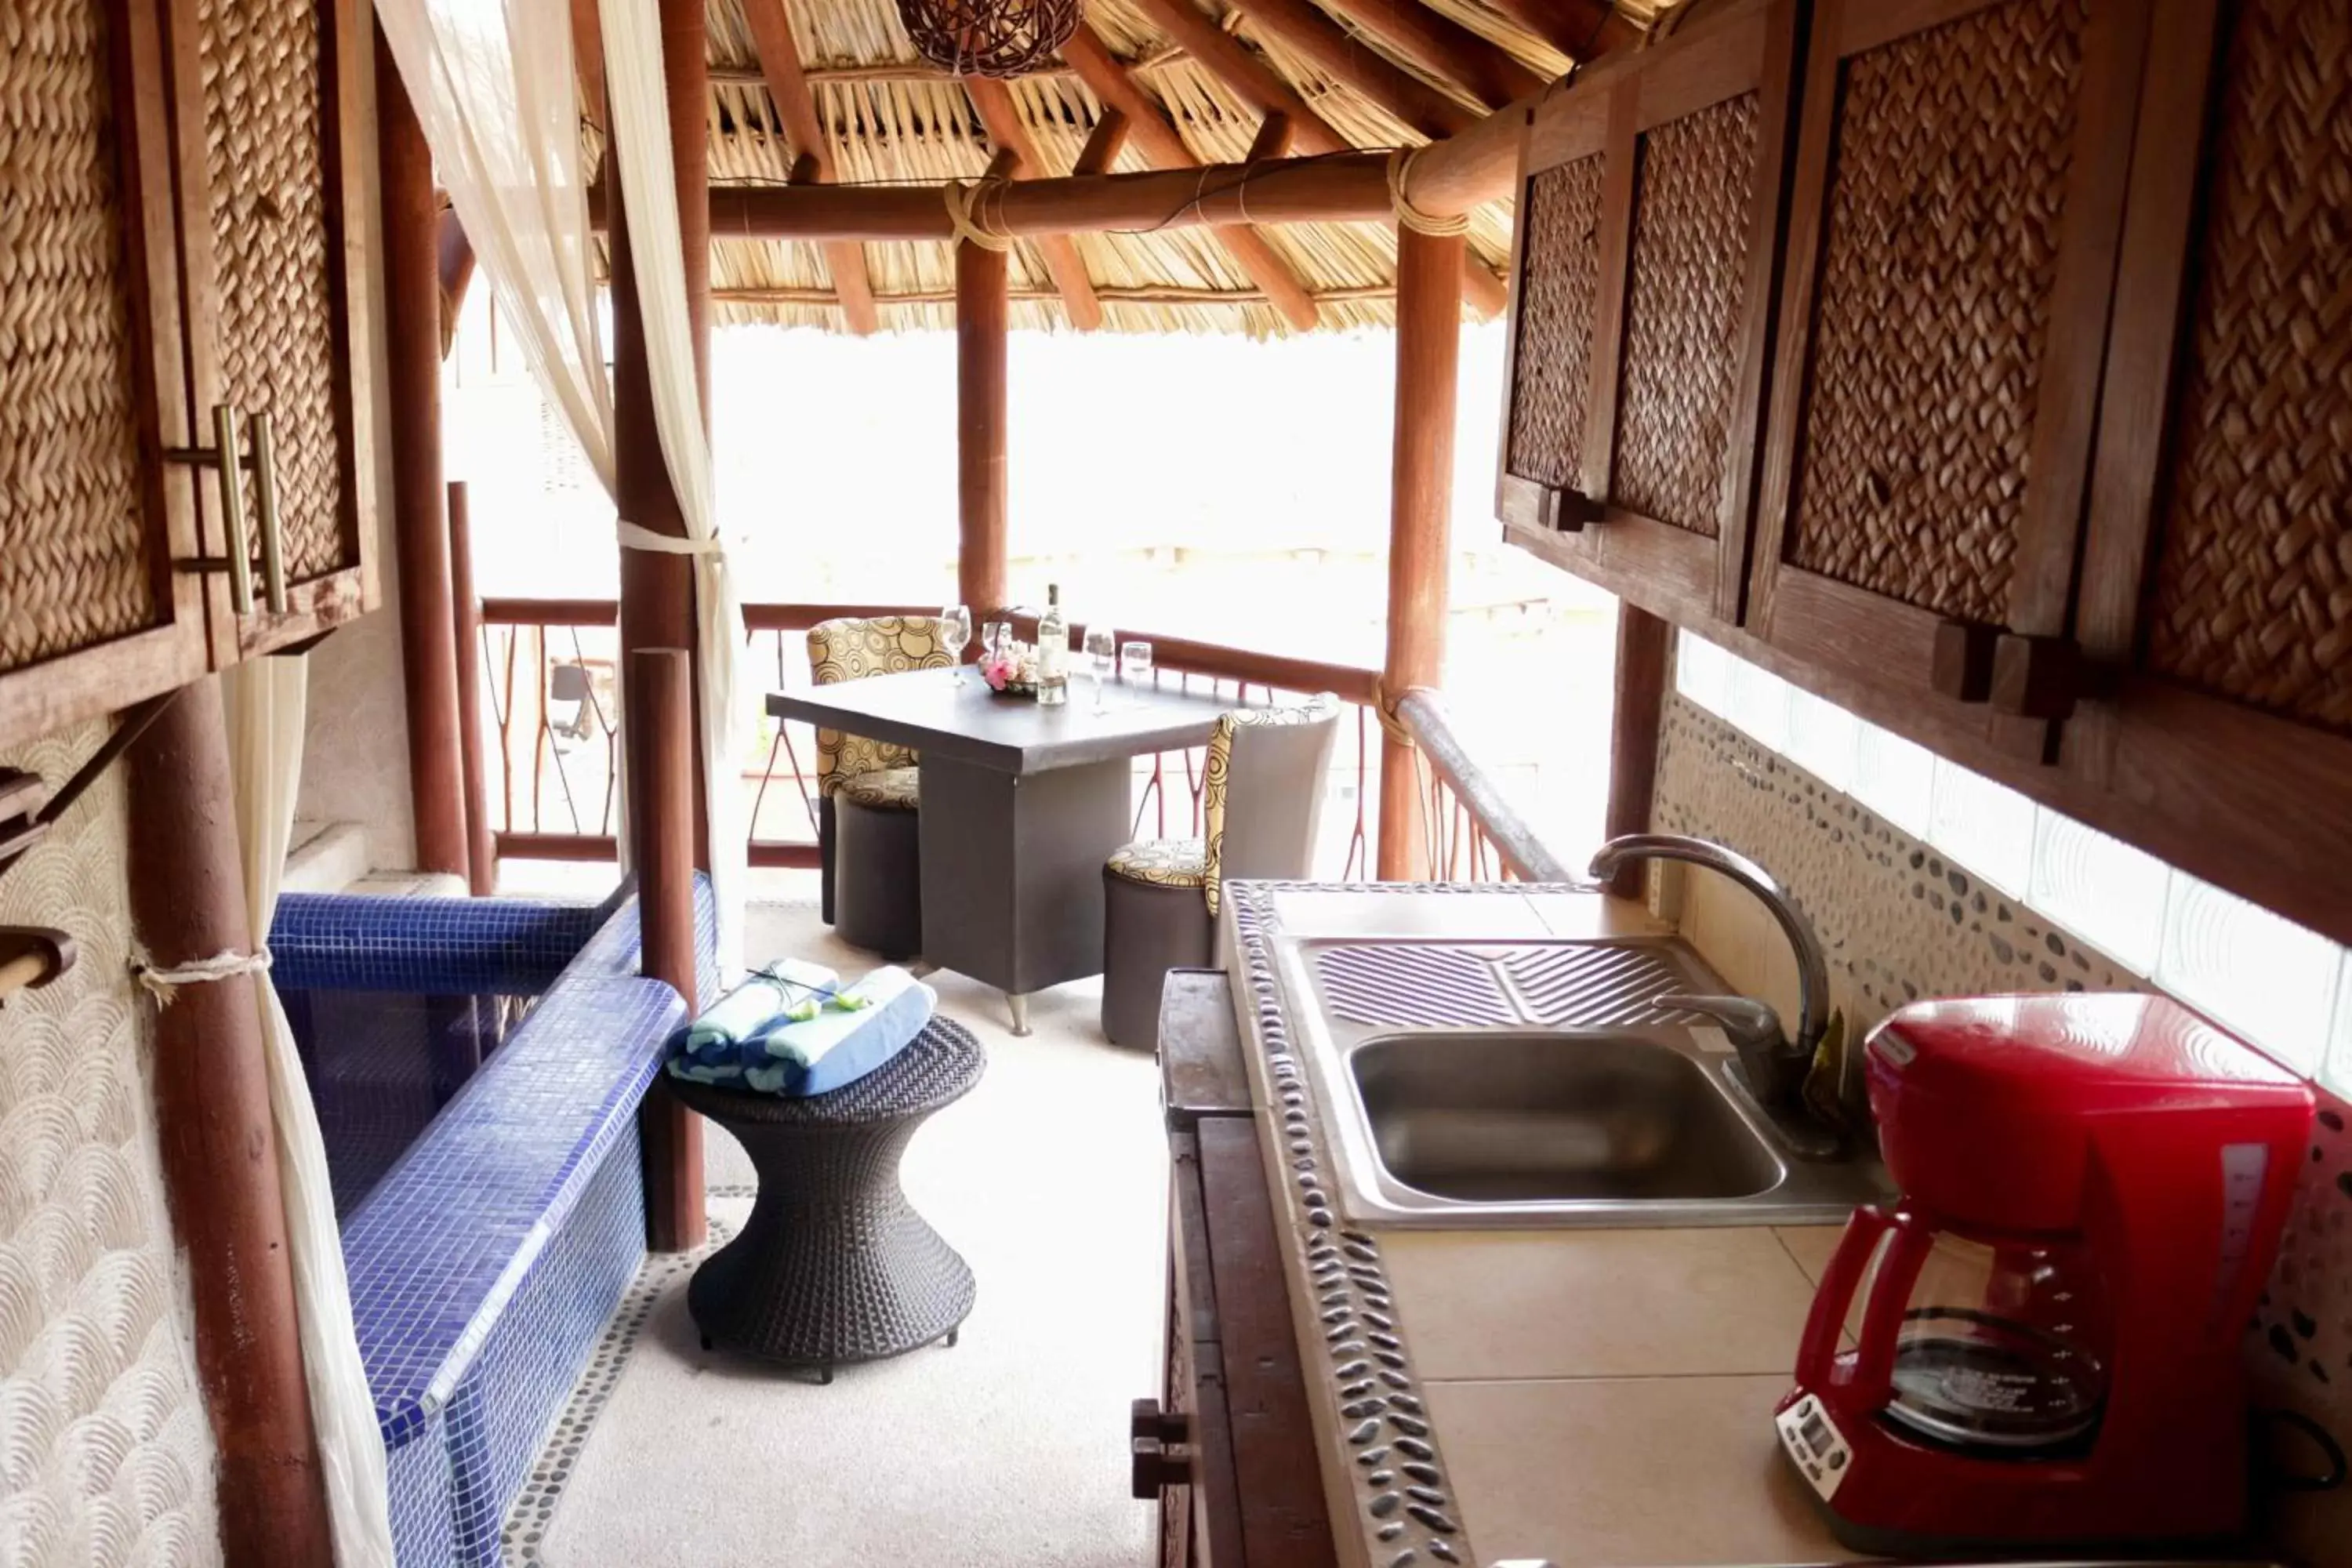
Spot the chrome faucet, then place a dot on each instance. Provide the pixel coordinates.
(1775, 1065)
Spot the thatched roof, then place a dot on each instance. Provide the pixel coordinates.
(893, 118)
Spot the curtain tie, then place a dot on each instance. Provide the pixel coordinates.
(162, 984)
(1409, 216)
(636, 537)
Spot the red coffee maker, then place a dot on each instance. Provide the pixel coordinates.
(2046, 1348)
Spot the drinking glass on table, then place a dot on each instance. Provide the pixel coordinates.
(1135, 662)
(1102, 653)
(955, 630)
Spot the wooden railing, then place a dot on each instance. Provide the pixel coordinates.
(549, 670)
(1472, 833)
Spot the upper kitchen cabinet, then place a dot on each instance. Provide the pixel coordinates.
(180, 270)
(93, 612)
(276, 162)
(1952, 251)
(1649, 219)
(2216, 611)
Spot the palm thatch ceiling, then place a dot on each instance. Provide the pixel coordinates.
(885, 115)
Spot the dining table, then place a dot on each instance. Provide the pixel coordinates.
(1021, 805)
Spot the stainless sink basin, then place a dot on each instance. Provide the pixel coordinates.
(1475, 1083)
(1515, 1118)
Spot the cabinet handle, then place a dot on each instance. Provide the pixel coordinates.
(1152, 1469)
(1568, 511)
(265, 495)
(224, 456)
(1144, 1418)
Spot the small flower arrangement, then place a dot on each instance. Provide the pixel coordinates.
(1012, 671)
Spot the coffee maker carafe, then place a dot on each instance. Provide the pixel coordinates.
(2039, 1344)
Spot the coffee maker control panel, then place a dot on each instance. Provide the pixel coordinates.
(1812, 1443)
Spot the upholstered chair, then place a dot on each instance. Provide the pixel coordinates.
(1261, 801)
(869, 870)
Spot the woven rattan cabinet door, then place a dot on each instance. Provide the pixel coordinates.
(276, 146)
(1647, 266)
(2217, 596)
(1952, 240)
(92, 614)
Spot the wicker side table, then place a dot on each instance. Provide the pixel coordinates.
(834, 1266)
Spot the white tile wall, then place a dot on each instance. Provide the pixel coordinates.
(2285, 988)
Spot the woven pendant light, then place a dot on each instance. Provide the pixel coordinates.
(990, 37)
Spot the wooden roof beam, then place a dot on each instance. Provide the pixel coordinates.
(1009, 133)
(1251, 79)
(1580, 29)
(1339, 55)
(780, 61)
(1157, 136)
(1104, 143)
(1444, 48)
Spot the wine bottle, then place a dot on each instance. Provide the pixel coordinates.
(1053, 650)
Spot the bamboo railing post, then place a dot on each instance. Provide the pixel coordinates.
(661, 842)
(482, 854)
(1429, 352)
(981, 311)
(219, 1144)
(1645, 643)
(412, 283)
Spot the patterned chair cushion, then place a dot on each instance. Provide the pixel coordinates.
(886, 789)
(1162, 863)
(851, 649)
(1218, 774)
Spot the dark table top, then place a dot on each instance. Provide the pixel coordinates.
(924, 709)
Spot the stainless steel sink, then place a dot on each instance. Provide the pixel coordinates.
(1477, 1083)
(1503, 1118)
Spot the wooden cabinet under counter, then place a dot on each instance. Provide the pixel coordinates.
(1229, 1449)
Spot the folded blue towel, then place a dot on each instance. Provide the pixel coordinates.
(793, 1030)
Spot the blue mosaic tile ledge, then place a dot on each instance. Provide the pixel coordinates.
(485, 1262)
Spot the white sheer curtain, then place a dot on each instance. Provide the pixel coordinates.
(495, 87)
(265, 698)
(641, 145)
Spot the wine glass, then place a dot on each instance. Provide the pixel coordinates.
(955, 630)
(1102, 653)
(1135, 662)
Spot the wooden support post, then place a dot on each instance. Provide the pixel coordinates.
(411, 287)
(1420, 509)
(981, 311)
(482, 854)
(218, 1145)
(1644, 642)
(661, 843)
(656, 587)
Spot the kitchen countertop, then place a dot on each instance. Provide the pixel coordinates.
(1589, 1396)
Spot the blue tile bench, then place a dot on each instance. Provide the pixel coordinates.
(486, 1261)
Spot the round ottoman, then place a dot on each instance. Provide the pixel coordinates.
(835, 1265)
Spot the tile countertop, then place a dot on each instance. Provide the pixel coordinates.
(1596, 1397)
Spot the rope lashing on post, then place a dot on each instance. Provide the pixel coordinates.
(1411, 216)
(635, 537)
(164, 984)
(964, 199)
(1385, 709)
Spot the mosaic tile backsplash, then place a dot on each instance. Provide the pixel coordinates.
(1900, 920)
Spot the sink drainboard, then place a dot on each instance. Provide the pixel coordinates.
(1580, 985)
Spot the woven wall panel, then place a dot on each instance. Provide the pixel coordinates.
(73, 570)
(1945, 205)
(263, 128)
(106, 1455)
(1553, 373)
(1689, 261)
(2254, 571)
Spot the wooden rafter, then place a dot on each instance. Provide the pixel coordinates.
(1446, 48)
(1344, 58)
(1001, 116)
(780, 59)
(1103, 143)
(1113, 84)
(1580, 29)
(1251, 79)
